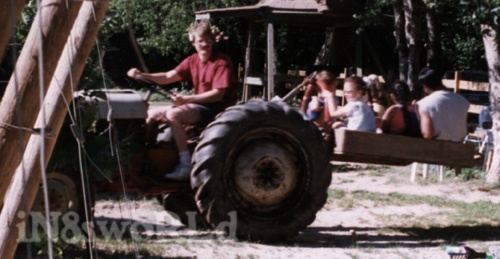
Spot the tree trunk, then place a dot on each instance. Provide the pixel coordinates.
(491, 46)
(412, 10)
(8, 17)
(70, 67)
(399, 33)
(21, 101)
(433, 39)
(325, 55)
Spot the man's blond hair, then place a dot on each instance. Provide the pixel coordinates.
(201, 28)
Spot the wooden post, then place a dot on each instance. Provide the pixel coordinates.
(458, 77)
(27, 178)
(8, 16)
(21, 100)
(248, 64)
(270, 61)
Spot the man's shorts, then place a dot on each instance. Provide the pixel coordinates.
(207, 112)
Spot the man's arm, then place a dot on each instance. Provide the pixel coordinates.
(161, 78)
(426, 126)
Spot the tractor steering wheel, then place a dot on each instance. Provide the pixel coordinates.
(150, 86)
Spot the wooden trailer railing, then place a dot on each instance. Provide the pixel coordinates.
(457, 84)
(366, 147)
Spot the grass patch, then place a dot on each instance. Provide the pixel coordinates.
(462, 212)
(393, 180)
(468, 174)
(336, 194)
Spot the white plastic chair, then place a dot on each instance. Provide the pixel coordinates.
(425, 172)
(476, 137)
(487, 148)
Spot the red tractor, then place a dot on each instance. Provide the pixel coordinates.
(259, 163)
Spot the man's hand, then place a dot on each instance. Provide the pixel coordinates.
(179, 99)
(133, 72)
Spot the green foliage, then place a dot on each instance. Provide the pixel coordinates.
(468, 174)
(483, 12)
(27, 17)
(459, 29)
(374, 13)
(460, 37)
(160, 26)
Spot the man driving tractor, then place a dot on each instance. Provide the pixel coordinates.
(212, 74)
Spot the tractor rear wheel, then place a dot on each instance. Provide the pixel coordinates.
(265, 164)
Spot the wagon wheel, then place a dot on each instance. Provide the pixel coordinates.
(265, 162)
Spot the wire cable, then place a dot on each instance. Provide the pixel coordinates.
(85, 186)
(42, 132)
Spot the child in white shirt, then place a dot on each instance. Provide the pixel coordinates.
(359, 115)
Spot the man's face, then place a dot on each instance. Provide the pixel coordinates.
(202, 44)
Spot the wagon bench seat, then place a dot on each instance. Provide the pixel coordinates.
(366, 147)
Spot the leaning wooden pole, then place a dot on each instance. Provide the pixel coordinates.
(9, 14)
(25, 183)
(21, 101)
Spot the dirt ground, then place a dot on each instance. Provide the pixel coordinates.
(362, 230)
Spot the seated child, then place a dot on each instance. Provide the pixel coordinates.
(313, 103)
(376, 97)
(359, 115)
(401, 118)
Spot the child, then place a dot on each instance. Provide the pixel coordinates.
(359, 115)
(314, 102)
(376, 98)
(400, 118)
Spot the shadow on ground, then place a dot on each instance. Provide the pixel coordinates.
(391, 237)
(311, 237)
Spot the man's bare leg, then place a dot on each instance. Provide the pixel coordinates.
(155, 115)
(176, 118)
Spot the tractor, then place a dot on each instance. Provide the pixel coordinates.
(261, 162)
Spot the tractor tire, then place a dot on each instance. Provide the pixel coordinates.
(264, 163)
(181, 205)
(65, 197)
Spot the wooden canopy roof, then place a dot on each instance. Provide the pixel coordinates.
(335, 12)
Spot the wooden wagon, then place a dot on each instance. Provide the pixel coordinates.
(366, 147)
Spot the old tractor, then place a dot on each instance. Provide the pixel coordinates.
(260, 162)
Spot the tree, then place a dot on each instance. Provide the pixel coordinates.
(399, 34)
(433, 34)
(491, 44)
(486, 14)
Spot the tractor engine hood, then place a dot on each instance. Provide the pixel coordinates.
(116, 103)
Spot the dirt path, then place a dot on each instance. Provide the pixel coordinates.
(362, 229)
